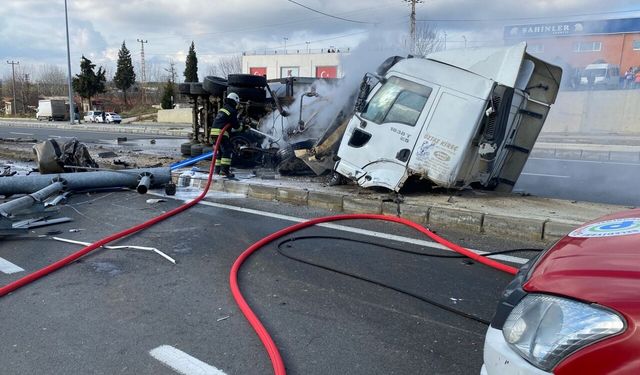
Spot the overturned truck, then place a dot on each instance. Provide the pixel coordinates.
(456, 118)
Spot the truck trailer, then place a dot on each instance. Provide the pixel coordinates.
(52, 109)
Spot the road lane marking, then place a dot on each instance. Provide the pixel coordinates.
(182, 362)
(8, 267)
(54, 136)
(545, 175)
(587, 161)
(18, 133)
(344, 228)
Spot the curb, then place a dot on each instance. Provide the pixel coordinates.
(506, 226)
(590, 155)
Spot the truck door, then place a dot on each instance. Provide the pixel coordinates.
(379, 140)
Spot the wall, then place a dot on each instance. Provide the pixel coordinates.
(615, 111)
(307, 63)
(178, 115)
(616, 49)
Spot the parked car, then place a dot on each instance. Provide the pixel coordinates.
(575, 309)
(112, 117)
(93, 116)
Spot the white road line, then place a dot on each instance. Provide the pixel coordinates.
(182, 362)
(348, 229)
(8, 267)
(20, 133)
(588, 161)
(54, 136)
(545, 175)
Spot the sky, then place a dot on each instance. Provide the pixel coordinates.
(33, 31)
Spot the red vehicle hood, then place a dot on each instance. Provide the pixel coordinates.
(597, 263)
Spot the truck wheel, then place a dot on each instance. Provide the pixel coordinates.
(185, 148)
(196, 149)
(249, 93)
(184, 88)
(247, 80)
(215, 86)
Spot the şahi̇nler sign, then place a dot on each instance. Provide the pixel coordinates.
(617, 26)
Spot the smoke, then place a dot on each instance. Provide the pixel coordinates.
(318, 112)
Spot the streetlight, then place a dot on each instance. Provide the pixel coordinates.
(445, 40)
(285, 44)
(72, 113)
(465, 41)
(307, 46)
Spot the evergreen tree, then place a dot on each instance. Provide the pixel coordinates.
(168, 95)
(89, 83)
(191, 69)
(125, 76)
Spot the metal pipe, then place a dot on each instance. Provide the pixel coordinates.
(83, 181)
(9, 208)
(144, 184)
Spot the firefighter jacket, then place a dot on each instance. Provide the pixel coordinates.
(226, 115)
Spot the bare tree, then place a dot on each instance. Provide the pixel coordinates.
(51, 80)
(212, 70)
(229, 65)
(428, 39)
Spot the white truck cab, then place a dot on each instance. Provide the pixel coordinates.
(457, 118)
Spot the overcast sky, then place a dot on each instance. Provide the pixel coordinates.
(33, 32)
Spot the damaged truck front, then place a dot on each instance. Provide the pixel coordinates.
(457, 118)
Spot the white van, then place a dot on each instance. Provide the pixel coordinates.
(456, 117)
(601, 75)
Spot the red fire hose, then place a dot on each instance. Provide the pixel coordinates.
(82, 252)
(269, 344)
(267, 341)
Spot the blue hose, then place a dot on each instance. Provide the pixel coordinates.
(191, 161)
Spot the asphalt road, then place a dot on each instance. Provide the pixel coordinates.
(105, 313)
(582, 180)
(86, 136)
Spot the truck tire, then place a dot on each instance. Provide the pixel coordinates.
(197, 89)
(185, 148)
(184, 88)
(247, 80)
(215, 86)
(196, 149)
(253, 94)
(286, 161)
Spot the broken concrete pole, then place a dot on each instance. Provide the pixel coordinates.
(85, 181)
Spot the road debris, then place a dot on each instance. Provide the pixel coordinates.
(122, 247)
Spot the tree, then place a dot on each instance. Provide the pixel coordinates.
(427, 40)
(125, 76)
(229, 65)
(191, 69)
(168, 95)
(89, 83)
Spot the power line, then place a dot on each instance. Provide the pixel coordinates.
(523, 18)
(329, 15)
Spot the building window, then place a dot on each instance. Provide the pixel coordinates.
(636, 45)
(535, 48)
(587, 47)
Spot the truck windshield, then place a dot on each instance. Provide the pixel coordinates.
(399, 101)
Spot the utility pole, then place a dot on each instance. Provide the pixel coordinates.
(13, 73)
(285, 44)
(412, 22)
(72, 112)
(143, 79)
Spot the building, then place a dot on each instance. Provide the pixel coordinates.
(580, 43)
(323, 63)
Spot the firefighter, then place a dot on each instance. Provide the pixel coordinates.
(226, 115)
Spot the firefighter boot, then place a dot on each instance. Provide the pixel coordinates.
(226, 172)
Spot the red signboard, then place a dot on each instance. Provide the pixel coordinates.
(258, 71)
(326, 72)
